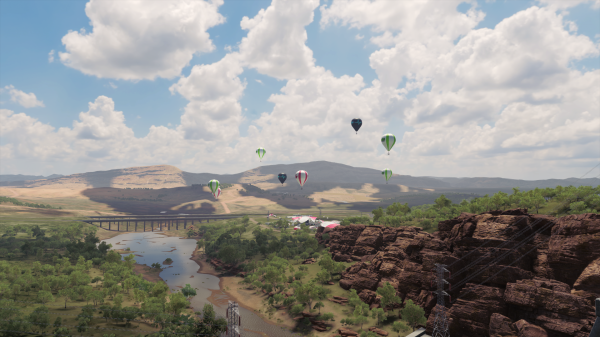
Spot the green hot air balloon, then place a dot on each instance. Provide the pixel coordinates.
(261, 152)
(388, 140)
(387, 173)
(213, 185)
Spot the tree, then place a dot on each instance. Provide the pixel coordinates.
(201, 243)
(188, 291)
(361, 314)
(388, 295)
(45, 296)
(319, 305)
(442, 202)
(368, 334)
(353, 298)
(413, 314)
(378, 314)
(323, 276)
(297, 309)
(377, 214)
(399, 326)
(40, 317)
(62, 332)
(67, 293)
(156, 265)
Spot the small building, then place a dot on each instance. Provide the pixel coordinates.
(418, 333)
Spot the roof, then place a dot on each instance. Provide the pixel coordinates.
(418, 333)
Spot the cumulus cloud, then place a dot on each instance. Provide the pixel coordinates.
(135, 40)
(276, 40)
(25, 100)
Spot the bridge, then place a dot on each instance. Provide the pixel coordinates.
(160, 222)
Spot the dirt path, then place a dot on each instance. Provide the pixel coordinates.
(225, 207)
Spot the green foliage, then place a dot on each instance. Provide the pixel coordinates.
(378, 314)
(364, 220)
(188, 291)
(368, 334)
(388, 295)
(413, 314)
(399, 326)
(27, 204)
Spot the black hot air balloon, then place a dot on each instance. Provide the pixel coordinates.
(356, 124)
(282, 177)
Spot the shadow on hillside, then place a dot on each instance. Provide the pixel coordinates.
(130, 200)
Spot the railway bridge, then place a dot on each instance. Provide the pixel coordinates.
(153, 222)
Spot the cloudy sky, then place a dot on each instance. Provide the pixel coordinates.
(477, 88)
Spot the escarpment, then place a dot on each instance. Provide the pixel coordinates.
(551, 279)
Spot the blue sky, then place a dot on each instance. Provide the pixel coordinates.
(29, 30)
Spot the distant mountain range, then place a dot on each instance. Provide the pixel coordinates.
(163, 176)
(21, 177)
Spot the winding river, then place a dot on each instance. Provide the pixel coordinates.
(155, 247)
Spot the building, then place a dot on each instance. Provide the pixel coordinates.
(420, 332)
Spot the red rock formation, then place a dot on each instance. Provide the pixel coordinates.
(537, 288)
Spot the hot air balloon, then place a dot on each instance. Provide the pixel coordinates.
(387, 173)
(301, 177)
(356, 124)
(282, 177)
(261, 152)
(388, 140)
(213, 185)
(218, 194)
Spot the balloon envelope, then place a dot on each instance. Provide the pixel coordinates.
(301, 177)
(218, 194)
(213, 185)
(387, 173)
(261, 152)
(356, 124)
(388, 140)
(282, 177)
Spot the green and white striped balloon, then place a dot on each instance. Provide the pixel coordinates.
(388, 140)
(213, 185)
(261, 152)
(387, 173)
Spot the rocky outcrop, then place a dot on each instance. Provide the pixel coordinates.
(549, 281)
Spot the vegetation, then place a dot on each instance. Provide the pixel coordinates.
(27, 204)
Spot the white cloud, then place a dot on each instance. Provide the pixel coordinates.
(213, 91)
(275, 44)
(259, 81)
(25, 100)
(51, 56)
(358, 37)
(135, 40)
(112, 85)
(565, 4)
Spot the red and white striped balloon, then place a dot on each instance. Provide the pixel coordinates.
(217, 194)
(301, 177)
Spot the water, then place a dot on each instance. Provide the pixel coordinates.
(155, 247)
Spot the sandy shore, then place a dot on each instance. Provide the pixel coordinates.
(246, 298)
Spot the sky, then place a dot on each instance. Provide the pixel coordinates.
(484, 88)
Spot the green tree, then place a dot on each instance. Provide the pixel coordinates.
(361, 314)
(442, 202)
(413, 314)
(319, 305)
(188, 291)
(323, 276)
(297, 309)
(45, 296)
(368, 334)
(377, 214)
(40, 318)
(388, 295)
(399, 326)
(62, 332)
(378, 314)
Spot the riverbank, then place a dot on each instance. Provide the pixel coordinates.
(246, 298)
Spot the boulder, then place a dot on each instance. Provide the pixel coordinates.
(589, 280)
(309, 261)
(529, 330)
(502, 326)
(378, 331)
(347, 332)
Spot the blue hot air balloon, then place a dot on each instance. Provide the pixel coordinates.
(356, 124)
(282, 177)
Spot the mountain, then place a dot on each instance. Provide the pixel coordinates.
(21, 177)
(320, 173)
(481, 182)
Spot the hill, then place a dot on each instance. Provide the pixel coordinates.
(320, 172)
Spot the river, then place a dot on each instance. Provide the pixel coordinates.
(155, 247)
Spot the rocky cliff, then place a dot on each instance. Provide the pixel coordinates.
(547, 291)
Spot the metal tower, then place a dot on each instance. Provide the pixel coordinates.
(440, 325)
(233, 320)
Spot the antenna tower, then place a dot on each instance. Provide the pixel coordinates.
(440, 325)
(234, 320)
